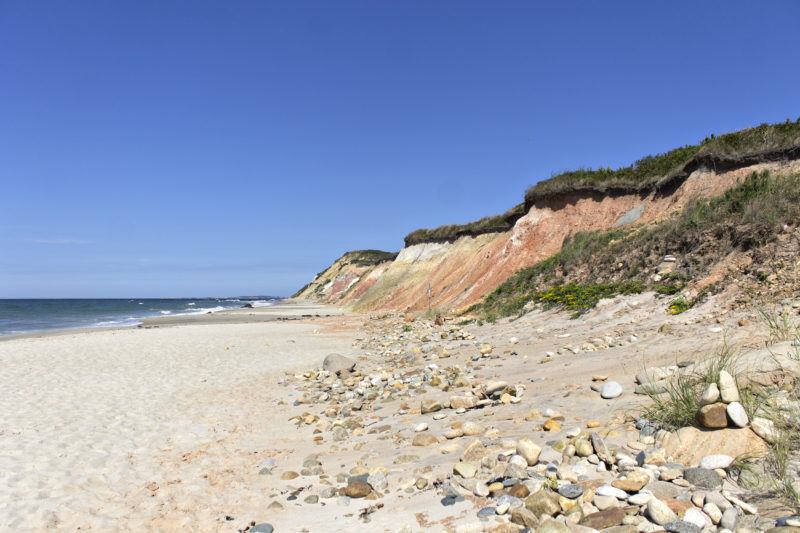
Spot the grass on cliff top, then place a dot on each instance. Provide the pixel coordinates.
(369, 257)
(595, 265)
(649, 169)
(452, 232)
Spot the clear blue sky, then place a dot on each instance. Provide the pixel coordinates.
(164, 148)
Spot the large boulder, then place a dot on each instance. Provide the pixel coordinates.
(689, 445)
(338, 363)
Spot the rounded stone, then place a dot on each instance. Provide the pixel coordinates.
(357, 489)
(465, 470)
(681, 526)
(262, 528)
(702, 477)
(611, 390)
(737, 415)
(712, 462)
(728, 391)
(710, 395)
(713, 416)
(659, 512)
(608, 490)
(571, 491)
(529, 450)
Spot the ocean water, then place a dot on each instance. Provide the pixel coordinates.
(18, 316)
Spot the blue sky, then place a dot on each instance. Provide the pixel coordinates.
(225, 148)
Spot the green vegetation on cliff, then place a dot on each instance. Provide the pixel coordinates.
(648, 172)
(369, 257)
(594, 265)
(452, 232)
(766, 142)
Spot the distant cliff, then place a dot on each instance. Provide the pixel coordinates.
(462, 264)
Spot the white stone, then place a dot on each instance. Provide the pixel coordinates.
(737, 414)
(640, 498)
(710, 395)
(765, 429)
(610, 390)
(421, 427)
(696, 517)
(712, 462)
(728, 390)
(608, 490)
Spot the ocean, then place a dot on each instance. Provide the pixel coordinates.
(19, 316)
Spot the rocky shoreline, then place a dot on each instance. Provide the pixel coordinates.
(430, 414)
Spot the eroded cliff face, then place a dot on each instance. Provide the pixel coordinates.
(463, 272)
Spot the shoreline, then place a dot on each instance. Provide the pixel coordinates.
(285, 309)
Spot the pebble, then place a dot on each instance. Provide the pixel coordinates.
(713, 462)
(611, 390)
(710, 395)
(529, 450)
(261, 528)
(702, 477)
(465, 470)
(659, 512)
(681, 526)
(696, 517)
(608, 490)
(571, 491)
(737, 414)
(713, 512)
(728, 391)
(729, 518)
(421, 427)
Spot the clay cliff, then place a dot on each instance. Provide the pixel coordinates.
(463, 264)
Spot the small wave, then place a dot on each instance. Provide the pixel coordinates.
(204, 310)
(165, 312)
(130, 321)
(263, 303)
(191, 303)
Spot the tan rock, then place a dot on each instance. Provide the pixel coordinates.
(463, 402)
(430, 406)
(632, 482)
(424, 439)
(474, 451)
(357, 489)
(552, 425)
(689, 445)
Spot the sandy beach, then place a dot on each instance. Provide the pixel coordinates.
(89, 414)
(227, 421)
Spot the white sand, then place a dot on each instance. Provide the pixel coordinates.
(88, 417)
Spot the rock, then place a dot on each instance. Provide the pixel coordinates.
(702, 477)
(471, 428)
(430, 406)
(289, 475)
(421, 427)
(713, 462)
(681, 526)
(529, 450)
(339, 433)
(377, 480)
(765, 429)
(608, 490)
(552, 425)
(696, 517)
(465, 470)
(737, 415)
(728, 391)
(543, 502)
(640, 498)
(611, 390)
(605, 502)
(729, 518)
(463, 402)
(424, 439)
(689, 445)
(357, 489)
(474, 452)
(633, 482)
(583, 448)
(552, 526)
(659, 512)
(571, 491)
(710, 395)
(261, 528)
(337, 364)
(713, 512)
(604, 519)
(713, 416)
(524, 517)
(409, 318)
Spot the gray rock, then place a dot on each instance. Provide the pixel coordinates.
(713, 462)
(552, 526)
(729, 518)
(610, 390)
(378, 481)
(571, 491)
(631, 216)
(681, 526)
(262, 528)
(702, 477)
(710, 395)
(338, 363)
(549, 455)
(487, 512)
